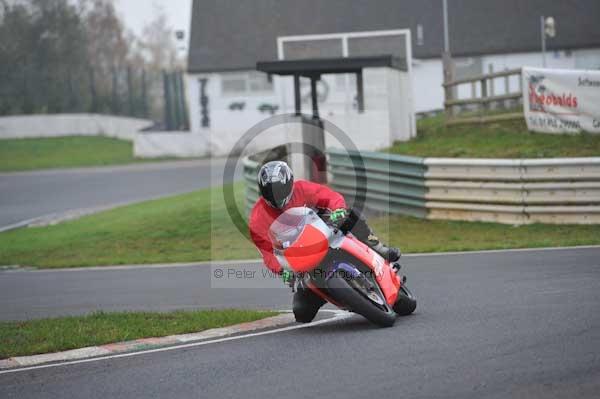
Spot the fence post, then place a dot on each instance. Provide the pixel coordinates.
(72, 104)
(93, 94)
(506, 104)
(176, 102)
(115, 106)
(168, 105)
(492, 89)
(183, 105)
(144, 95)
(484, 93)
(130, 91)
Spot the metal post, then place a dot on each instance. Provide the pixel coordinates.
(183, 105)
(176, 90)
(297, 98)
(144, 95)
(448, 77)
(448, 65)
(506, 89)
(446, 35)
(93, 93)
(130, 91)
(167, 101)
(115, 107)
(543, 32)
(314, 96)
(484, 93)
(360, 92)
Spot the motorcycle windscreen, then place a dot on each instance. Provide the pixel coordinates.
(301, 237)
(308, 250)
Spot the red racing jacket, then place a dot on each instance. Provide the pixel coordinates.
(305, 193)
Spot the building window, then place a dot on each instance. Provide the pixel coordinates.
(233, 84)
(241, 84)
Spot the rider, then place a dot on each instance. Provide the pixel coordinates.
(279, 192)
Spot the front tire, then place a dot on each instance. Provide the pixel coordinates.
(343, 292)
(406, 302)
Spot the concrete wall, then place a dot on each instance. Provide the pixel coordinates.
(226, 125)
(169, 144)
(29, 126)
(387, 117)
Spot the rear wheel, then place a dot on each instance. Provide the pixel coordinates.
(406, 302)
(368, 303)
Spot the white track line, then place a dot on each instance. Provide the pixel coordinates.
(337, 315)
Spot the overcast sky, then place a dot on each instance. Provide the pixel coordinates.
(136, 13)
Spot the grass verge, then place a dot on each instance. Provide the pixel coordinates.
(184, 228)
(506, 139)
(415, 235)
(196, 227)
(64, 333)
(64, 152)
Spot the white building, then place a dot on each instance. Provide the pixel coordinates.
(228, 37)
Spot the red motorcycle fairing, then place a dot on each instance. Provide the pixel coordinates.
(301, 240)
(309, 250)
(387, 279)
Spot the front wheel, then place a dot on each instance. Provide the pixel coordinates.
(406, 302)
(370, 305)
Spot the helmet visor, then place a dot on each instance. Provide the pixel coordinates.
(278, 194)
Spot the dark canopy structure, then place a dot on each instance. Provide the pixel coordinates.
(314, 68)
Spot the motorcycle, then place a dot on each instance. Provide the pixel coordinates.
(339, 268)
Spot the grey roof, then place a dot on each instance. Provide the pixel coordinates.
(236, 34)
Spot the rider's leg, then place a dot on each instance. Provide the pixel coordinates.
(357, 224)
(306, 305)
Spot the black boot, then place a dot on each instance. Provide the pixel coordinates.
(390, 254)
(361, 230)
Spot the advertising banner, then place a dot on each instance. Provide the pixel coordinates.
(561, 100)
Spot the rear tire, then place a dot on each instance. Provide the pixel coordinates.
(406, 302)
(355, 301)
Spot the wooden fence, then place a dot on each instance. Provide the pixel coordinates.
(479, 107)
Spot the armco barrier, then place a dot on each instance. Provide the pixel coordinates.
(394, 184)
(564, 190)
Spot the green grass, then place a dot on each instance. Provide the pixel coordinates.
(417, 235)
(185, 228)
(60, 334)
(196, 227)
(63, 152)
(507, 139)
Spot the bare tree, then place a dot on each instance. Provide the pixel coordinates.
(107, 45)
(158, 42)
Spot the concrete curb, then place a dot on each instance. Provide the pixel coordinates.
(145, 343)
